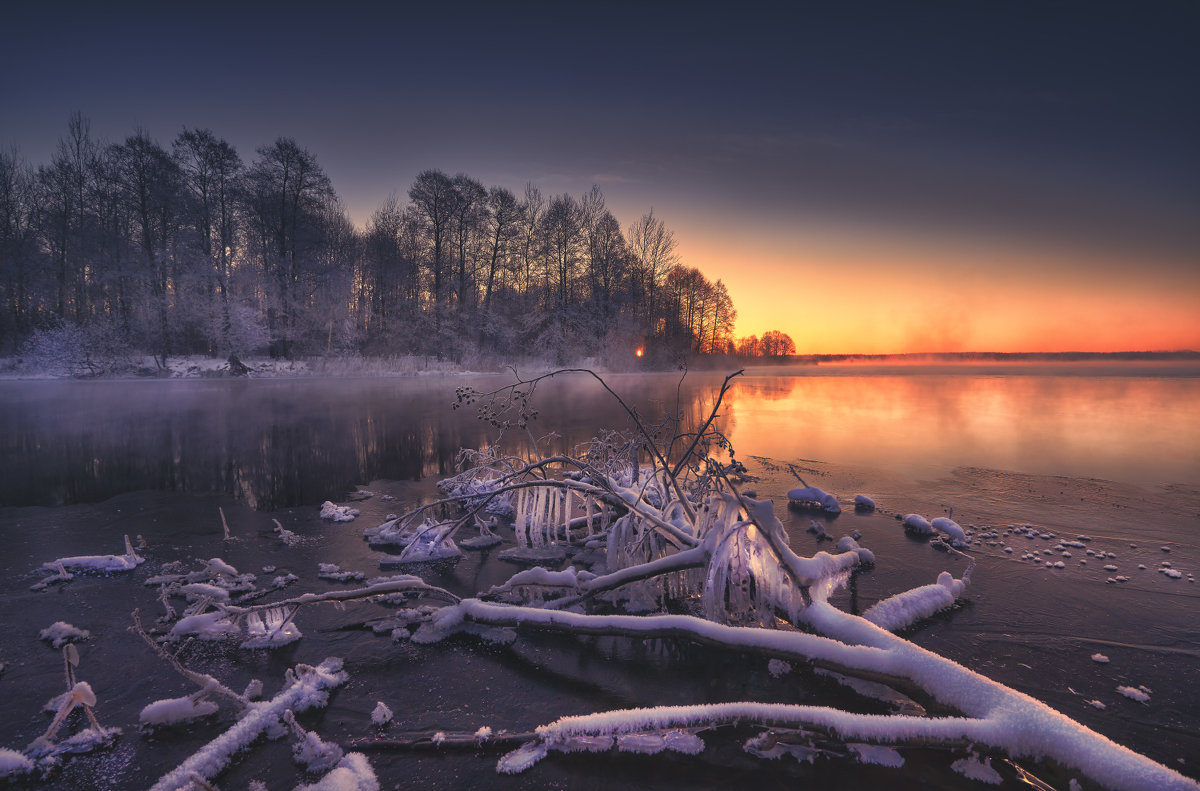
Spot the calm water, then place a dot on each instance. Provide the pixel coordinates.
(82, 463)
(278, 443)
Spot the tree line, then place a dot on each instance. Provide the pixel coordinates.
(189, 249)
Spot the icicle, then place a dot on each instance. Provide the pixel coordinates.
(535, 518)
(521, 519)
(590, 508)
(568, 509)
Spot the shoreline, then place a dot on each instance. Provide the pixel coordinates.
(1163, 364)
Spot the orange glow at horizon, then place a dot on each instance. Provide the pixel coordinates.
(874, 295)
(639, 352)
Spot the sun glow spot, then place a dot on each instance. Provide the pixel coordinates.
(639, 352)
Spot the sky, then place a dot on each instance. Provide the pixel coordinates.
(868, 177)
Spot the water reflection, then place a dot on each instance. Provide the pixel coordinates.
(277, 443)
(285, 443)
(1143, 429)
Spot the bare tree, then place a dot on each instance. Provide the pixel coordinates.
(434, 196)
(210, 169)
(287, 194)
(653, 247)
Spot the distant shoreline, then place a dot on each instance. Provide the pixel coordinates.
(199, 366)
(1054, 357)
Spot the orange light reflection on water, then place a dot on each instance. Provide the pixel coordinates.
(1123, 428)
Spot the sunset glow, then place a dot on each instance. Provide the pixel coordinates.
(892, 182)
(845, 295)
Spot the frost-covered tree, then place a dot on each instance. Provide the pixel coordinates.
(211, 170)
(287, 201)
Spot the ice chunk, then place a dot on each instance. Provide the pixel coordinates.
(877, 754)
(1101, 658)
(207, 626)
(433, 542)
(274, 630)
(332, 571)
(522, 758)
(973, 768)
(863, 503)
(201, 590)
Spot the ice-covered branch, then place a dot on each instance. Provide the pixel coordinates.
(1008, 720)
(308, 687)
(697, 557)
(398, 585)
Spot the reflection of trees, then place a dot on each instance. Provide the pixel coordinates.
(272, 444)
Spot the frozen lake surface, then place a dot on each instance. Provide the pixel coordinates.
(1111, 454)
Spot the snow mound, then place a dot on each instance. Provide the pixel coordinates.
(353, 773)
(863, 503)
(60, 633)
(957, 536)
(1141, 695)
(812, 497)
(381, 715)
(127, 562)
(338, 513)
(915, 523)
(172, 711)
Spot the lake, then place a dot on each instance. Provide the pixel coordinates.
(1110, 451)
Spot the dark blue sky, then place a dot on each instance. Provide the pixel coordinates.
(1051, 125)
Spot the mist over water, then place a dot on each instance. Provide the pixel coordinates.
(1124, 422)
(282, 443)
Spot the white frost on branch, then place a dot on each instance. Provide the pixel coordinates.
(307, 687)
(127, 562)
(905, 609)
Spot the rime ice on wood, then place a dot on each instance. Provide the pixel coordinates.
(126, 562)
